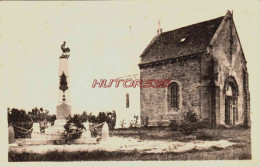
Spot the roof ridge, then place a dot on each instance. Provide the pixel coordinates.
(192, 25)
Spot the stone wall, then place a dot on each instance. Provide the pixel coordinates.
(230, 62)
(187, 73)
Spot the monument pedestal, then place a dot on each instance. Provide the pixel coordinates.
(56, 131)
(63, 111)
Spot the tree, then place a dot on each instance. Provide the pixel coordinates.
(73, 127)
(21, 122)
(41, 114)
(189, 123)
(84, 116)
(109, 117)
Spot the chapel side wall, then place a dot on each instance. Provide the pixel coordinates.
(205, 93)
(226, 66)
(154, 100)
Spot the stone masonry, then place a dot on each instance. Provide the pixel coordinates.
(206, 60)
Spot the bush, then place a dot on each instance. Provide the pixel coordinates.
(40, 114)
(22, 122)
(73, 127)
(122, 123)
(109, 117)
(160, 122)
(173, 125)
(204, 136)
(15, 115)
(134, 123)
(243, 126)
(189, 123)
(146, 122)
(221, 126)
(204, 124)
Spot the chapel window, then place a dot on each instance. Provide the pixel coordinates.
(127, 100)
(174, 95)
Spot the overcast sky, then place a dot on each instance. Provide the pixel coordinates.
(106, 40)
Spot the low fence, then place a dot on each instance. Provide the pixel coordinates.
(22, 132)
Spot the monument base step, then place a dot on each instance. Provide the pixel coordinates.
(85, 141)
(22, 142)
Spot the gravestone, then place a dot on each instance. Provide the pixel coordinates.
(105, 132)
(11, 134)
(36, 133)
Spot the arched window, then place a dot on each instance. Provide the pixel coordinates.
(174, 95)
(127, 100)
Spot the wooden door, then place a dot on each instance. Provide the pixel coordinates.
(227, 110)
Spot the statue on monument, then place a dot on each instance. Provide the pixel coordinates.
(65, 50)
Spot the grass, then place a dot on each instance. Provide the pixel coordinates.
(241, 151)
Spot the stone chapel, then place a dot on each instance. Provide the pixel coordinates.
(207, 70)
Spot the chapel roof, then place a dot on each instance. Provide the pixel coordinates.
(189, 40)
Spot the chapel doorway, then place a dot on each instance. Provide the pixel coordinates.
(231, 93)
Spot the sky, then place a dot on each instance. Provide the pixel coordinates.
(106, 40)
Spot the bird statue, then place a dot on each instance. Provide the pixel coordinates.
(64, 48)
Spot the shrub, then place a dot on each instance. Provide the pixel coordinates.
(122, 123)
(173, 125)
(204, 124)
(40, 114)
(109, 117)
(73, 127)
(243, 126)
(15, 115)
(221, 126)
(204, 136)
(160, 122)
(94, 130)
(189, 123)
(146, 122)
(21, 122)
(134, 123)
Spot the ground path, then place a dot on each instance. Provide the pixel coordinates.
(125, 144)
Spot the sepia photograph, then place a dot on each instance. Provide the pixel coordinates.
(172, 81)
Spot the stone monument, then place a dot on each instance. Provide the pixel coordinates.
(55, 134)
(105, 132)
(64, 108)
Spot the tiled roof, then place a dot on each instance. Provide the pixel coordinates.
(184, 41)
